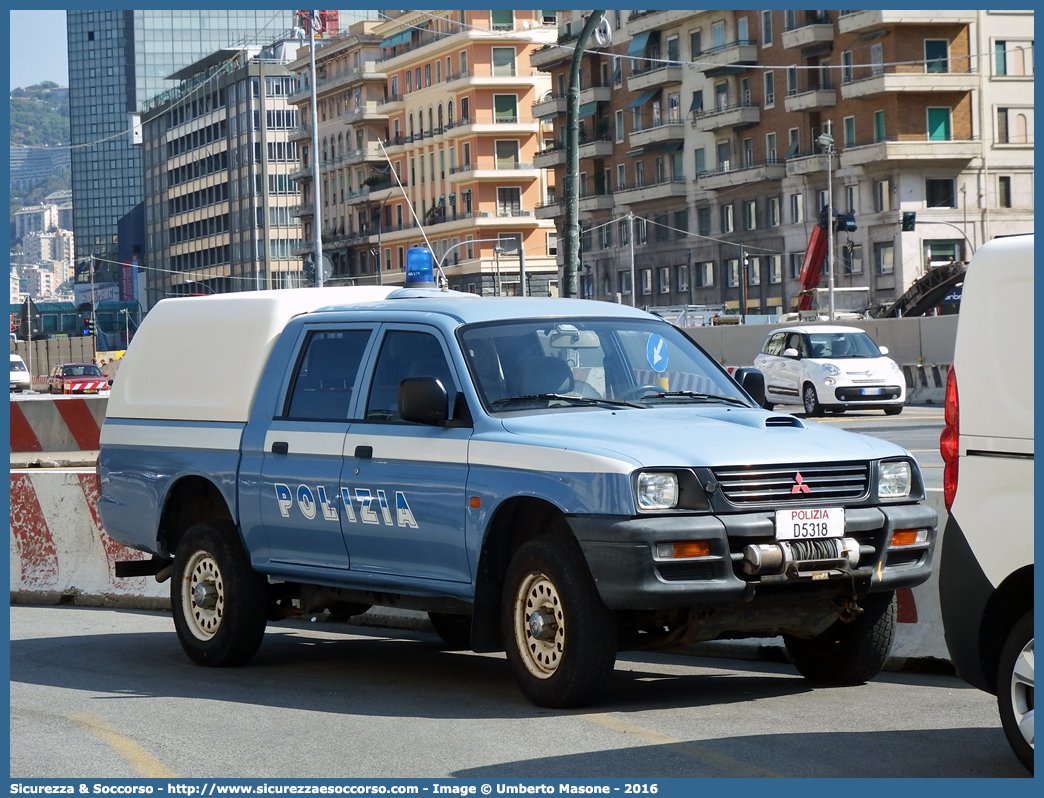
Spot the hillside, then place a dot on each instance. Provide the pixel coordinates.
(40, 115)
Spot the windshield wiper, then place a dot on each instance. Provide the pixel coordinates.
(711, 397)
(580, 400)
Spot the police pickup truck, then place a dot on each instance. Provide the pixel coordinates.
(558, 479)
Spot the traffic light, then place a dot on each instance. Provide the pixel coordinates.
(909, 220)
(85, 327)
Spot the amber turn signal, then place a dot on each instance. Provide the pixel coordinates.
(690, 548)
(907, 537)
(475, 502)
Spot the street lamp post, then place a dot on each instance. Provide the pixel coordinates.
(445, 255)
(826, 141)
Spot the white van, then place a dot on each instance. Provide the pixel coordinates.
(986, 568)
(19, 374)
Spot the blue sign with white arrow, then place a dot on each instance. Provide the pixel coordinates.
(656, 351)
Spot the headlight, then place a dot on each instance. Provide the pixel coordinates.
(657, 491)
(895, 480)
(895, 366)
(831, 369)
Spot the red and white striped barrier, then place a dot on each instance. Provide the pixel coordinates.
(57, 424)
(58, 546)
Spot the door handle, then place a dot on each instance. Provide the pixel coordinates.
(280, 447)
(365, 452)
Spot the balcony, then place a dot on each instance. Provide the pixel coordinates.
(366, 111)
(728, 116)
(551, 55)
(299, 133)
(816, 29)
(490, 171)
(664, 189)
(741, 176)
(551, 106)
(302, 210)
(391, 104)
(871, 81)
(596, 202)
(672, 130)
(811, 100)
(655, 77)
(599, 148)
(931, 151)
(741, 51)
(654, 19)
(596, 94)
(801, 164)
(549, 210)
(862, 21)
(486, 123)
(549, 159)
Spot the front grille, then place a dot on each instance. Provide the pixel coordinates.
(778, 484)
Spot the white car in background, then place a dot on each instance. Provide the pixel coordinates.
(827, 367)
(19, 375)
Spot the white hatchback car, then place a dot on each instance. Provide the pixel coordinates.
(826, 367)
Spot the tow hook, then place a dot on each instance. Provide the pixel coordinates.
(849, 611)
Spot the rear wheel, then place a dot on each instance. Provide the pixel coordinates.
(455, 630)
(848, 653)
(811, 400)
(1015, 689)
(559, 636)
(219, 603)
(343, 610)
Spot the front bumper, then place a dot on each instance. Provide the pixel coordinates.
(620, 554)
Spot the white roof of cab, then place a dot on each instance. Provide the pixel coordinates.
(200, 358)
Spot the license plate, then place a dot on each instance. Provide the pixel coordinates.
(871, 391)
(810, 523)
(90, 390)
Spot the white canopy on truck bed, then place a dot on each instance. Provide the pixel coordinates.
(200, 358)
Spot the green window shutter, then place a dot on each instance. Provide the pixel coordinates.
(939, 124)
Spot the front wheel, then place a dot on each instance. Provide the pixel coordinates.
(848, 652)
(559, 636)
(219, 603)
(893, 411)
(1015, 689)
(811, 400)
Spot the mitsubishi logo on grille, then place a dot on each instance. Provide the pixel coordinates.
(800, 487)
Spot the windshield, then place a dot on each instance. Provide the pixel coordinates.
(849, 344)
(537, 363)
(82, 371)
(18, 365)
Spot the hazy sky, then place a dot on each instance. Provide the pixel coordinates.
(38, 48)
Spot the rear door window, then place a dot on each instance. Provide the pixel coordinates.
(326, 375)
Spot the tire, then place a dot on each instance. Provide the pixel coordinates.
(848, 653)
(811, 401)
(343, 610)
(219, 603)
(567, 666)
(893, 411)
(1015, 689)
(455, 630)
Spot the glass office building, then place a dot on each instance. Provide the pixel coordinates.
(117, 61)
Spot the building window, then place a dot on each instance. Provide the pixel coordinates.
(852, 199)
(621, 176)
(502, 19)
(681, 223)
(936, 55)
(850, 135)
(753, 266)
(750, 215)
(623, 232)
(605, 236)
(884, 254)
(876, 59)
(732, 270)
(727, 221)
(623, 282)
(504, 61)
(852, 259)
(770, 87)
(705, 274)
(646, 279)
(664, 275)
(641, 231)
(766, 28)
(1013, 59)
(505, 107)
(792, 81)
(703, 221)
(940, 193)
(770, 147)
(846, 67)
(795, 259)
(701, 161)
(619, 126)
(775, 267)
(939, 124)
(797, 208)
(552, 244)
(882, 196)
(1004, 191)
(773, 212)
(683, 277)
(695, 44)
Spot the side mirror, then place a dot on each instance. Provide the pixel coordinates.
(884, 350)
(423, 400)
(753, 382)
(791, 352)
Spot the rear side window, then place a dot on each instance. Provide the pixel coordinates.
(325, 379)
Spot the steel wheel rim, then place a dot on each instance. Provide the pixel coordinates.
(542, 657)
(204, 617)
(1022, 692)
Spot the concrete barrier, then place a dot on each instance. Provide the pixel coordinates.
(57, 423)
(59, 551)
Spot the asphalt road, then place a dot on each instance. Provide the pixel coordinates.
(102, 693)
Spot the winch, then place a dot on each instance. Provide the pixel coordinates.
(802, 557)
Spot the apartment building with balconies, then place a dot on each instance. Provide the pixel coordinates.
(920, 118)
(350, 87)
(461, 143)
